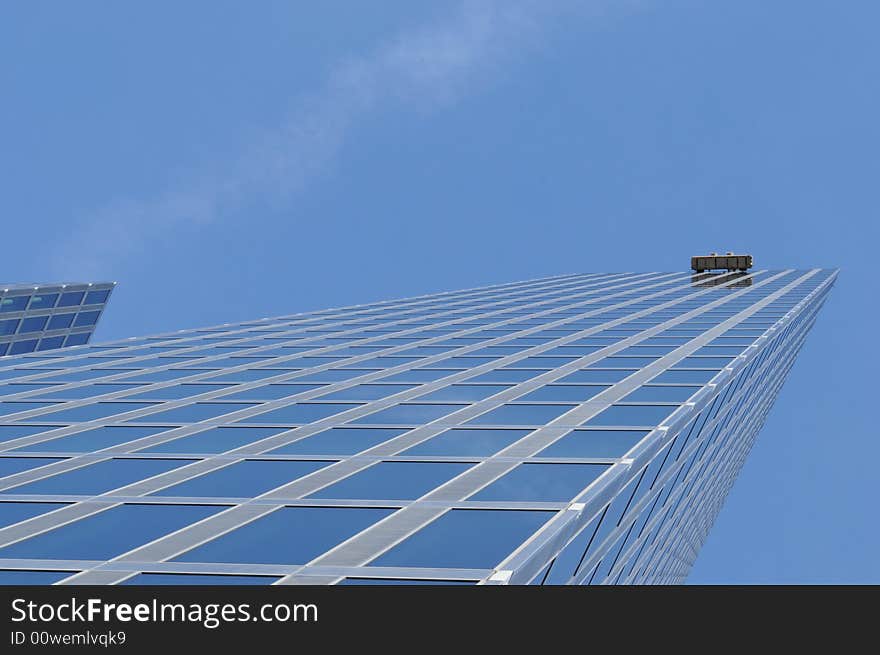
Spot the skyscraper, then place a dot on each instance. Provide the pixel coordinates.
(581, 429)
(48, 316)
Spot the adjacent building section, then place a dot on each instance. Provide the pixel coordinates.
(582, 429)
(37, 317)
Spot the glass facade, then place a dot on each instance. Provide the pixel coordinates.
(37, 317)
(581, 429)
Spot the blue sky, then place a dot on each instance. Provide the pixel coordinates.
(225, 161)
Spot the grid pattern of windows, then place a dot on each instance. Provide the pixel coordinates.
(581, 429)
(44, 317)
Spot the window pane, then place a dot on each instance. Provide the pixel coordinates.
(92, 440)
(99, 536)
(88, 391)
(368, 392)
(98, 478)
(685, 377)
(60, 321)
(12, 408)
(463, 443)
(272, 392)
(12, 465)
(522, 414)
(91, 412)
(72, 298)
(198, 579)
(411, 414)
(178, 391)
(562, 392)
(542, 483)
(507, 375)
(194, 413)
(11, 513)
(215, 440)
(290, 535)
(465, 392)
(594, 443)
(299, 414)
(8, 577)
(339, 441)
(244, 479)
(8, 432)
(393, 481)
(661, 394)
(96, 297)
(466, 538)
(420, 375)
(633, 415)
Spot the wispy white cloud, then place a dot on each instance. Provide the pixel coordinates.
(424, 69)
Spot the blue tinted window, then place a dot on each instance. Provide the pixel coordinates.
(215, 440)
(302, 362)
(15, 304)
(91, 440)
(195, 412)
(635, 415)
(401, 581)
(33, 324)
(461, 362)
(339, 441)
(466, 392)
(88, 391)
(334, 375)
(86, 318)
(244, 479)
(161, 376)
(12, 408)
(97, 297)
(178, 391)
(393, 481)
(507, 375)
(77, 339)
(419, 375)
(411, 414)
(12, 465)
(8, 432)
(98, 478)
(685, 377)
(99, 536)
(26, 346)
(463, 443)
(43, 301)
(91, 412)
(80, 375)
(8, 577)
(48, 343)
(660, 394)
(562, 392)
(9, 389)
(290, 535)
(11, 513)
(8, 326)
(368, 392)
(625, 362)
(704, 362)
(542, 483)
(522, 414)
(542, 362)
(144, 579)
(72, 298)
(272, 392)
(299, 413)
(466, 538)
(60, 321)
(594, 443)
(247, 375)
